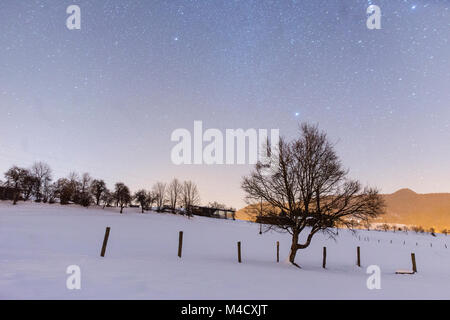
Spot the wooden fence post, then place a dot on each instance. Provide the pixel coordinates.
(324, 261)
(239, 251)
(278, 251)
(358, 254)
(105, 241)
(413, 260)
(180, 243)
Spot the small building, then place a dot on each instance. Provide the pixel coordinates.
(219, 213)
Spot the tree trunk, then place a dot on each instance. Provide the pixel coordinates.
(295, 245)
(15, 197)
(121, 209)
(294, 248)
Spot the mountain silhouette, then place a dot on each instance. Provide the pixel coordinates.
(427, 210)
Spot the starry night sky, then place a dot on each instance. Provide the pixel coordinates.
(106, 98)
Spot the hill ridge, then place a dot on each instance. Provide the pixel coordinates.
(406, 206)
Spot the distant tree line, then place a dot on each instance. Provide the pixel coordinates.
(36, 183)
(416, 229)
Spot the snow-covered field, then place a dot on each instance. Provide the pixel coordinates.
(38, 242)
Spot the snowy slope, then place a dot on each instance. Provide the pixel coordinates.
(38, 242)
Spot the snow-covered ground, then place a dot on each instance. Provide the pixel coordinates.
(38, 242)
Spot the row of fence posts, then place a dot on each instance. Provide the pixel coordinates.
(404, 242)
(239, 249)
(358, 257)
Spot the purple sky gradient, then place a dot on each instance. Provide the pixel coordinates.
(105, 99)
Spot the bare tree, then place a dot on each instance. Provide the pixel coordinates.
(72, 187)
(85, 190)
(144, 199)
(52, 192)
(28, 183)
(98, 187)
(190, 196)
(107, 198)
(43, 174)
(418, 229)
(122, 195)
(307, 190)
(432, 231)
(159, 192)
(174, 191)
(85, 182)
(14, 179)
(63, 191)
(46, 190)
(217, 205)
